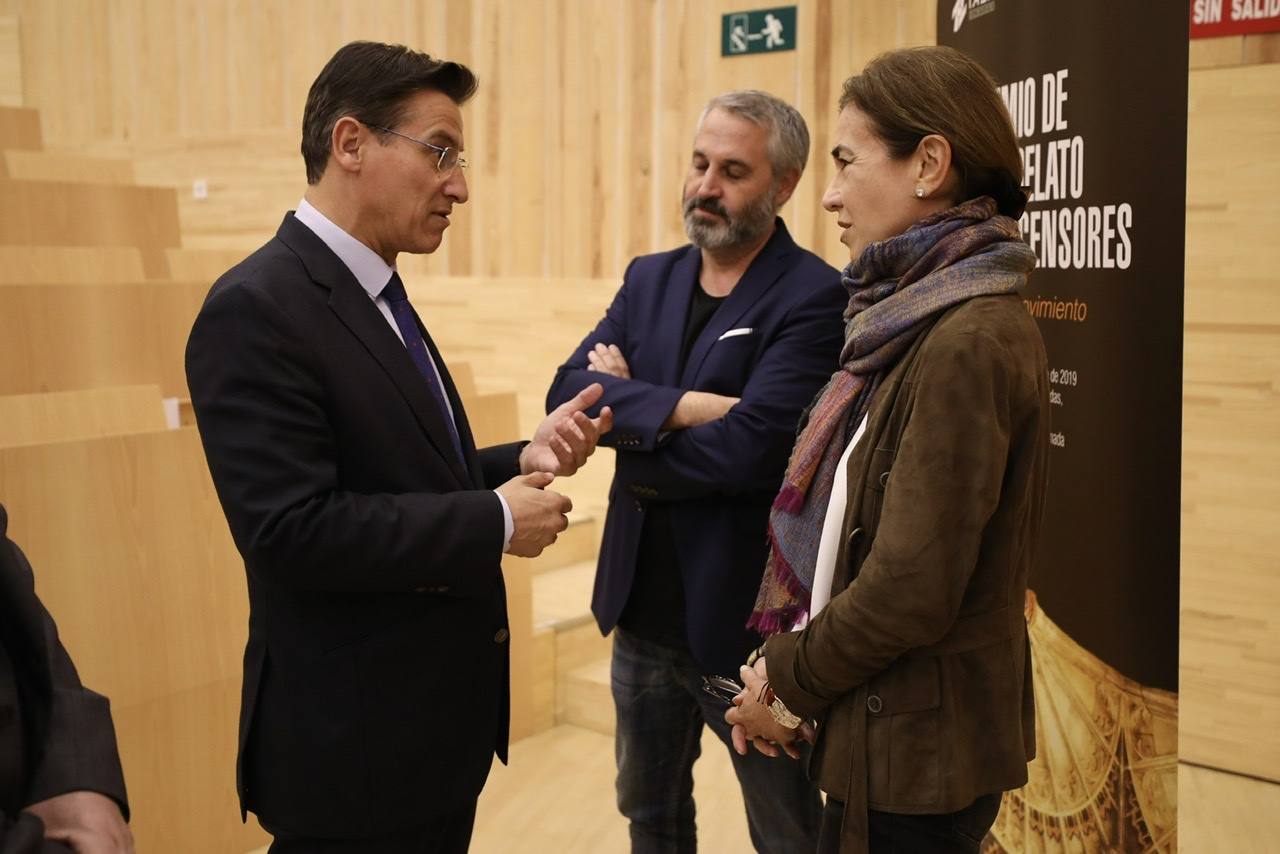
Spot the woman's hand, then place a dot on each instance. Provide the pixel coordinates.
(752, 721)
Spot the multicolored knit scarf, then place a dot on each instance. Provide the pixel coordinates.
(896, 287)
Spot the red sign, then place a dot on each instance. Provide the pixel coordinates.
(1211, 18)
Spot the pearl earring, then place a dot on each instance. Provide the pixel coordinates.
(919, 192)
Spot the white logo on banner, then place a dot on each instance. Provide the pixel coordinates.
(968, 9)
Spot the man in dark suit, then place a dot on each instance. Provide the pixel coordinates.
(61, 786)
(707, 355)
(375, 691)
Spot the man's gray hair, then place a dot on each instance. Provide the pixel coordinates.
(788, 134)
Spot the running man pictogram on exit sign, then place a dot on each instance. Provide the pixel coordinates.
(761, 31)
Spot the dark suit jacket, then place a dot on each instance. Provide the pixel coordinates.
(55, 734)
(375, 676)
(724, 475)
(918, 670)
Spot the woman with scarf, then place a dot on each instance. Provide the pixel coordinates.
(909, 515)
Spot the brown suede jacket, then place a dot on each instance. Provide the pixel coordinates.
(918, 671)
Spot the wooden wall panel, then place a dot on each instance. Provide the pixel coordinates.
(64, 337)
(1230, 673)
(40, 265)
(57, 213)
(20, 129)
(60, 166)
(133, 559)
(579, 135)
(10, 62)
(32, 419)
(1228, 51)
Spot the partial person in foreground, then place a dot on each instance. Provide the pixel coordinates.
(61, 784)
(372, 529)
(707, 355)
(904, 533)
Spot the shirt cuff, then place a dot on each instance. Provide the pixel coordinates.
(508, 524)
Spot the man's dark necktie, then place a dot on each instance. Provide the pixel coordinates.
(402, 311)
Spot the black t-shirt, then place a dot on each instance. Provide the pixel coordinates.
(655, 609)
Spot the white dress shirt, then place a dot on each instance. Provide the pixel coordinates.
(373, 274)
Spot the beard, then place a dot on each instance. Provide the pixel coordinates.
(740, 229)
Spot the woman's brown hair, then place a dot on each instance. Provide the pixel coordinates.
(909, 94)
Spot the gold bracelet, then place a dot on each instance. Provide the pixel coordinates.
(782, 714)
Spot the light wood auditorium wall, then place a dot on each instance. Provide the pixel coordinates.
(578, 137)
(1230, 665)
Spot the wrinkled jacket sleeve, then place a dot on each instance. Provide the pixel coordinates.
(639, 407)
(744, 451)
(24, 834)
(78, 751)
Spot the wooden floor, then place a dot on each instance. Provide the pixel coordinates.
(557, 797)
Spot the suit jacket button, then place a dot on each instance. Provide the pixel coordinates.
(501, 636)
(874, 704)
(884, 480)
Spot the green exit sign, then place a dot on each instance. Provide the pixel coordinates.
(761, 31)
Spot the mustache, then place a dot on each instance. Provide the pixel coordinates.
(709, 205)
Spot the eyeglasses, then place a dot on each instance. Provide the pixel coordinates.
(449, 157)
(722, 688)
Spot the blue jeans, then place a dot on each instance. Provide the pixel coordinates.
(661, 709)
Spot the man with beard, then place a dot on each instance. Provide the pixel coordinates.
(707, 355)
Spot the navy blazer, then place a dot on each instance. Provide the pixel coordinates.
(773, 342)
(375, 676)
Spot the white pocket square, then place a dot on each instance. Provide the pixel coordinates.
(733, 333)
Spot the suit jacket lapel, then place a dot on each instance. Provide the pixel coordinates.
(680, 284)
(357, 312)
(765, 269)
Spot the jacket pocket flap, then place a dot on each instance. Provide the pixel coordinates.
(909, 685)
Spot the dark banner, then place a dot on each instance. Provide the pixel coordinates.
(1097, 91)
(1098, 95)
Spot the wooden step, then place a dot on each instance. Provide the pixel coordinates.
(68, 213)
(585, 698)
(61, 416)
(562, 596)
(106, 335)
(71, 265)
(565, 637)
(66, 166)
(578, 543)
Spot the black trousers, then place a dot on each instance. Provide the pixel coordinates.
(959, 832)
(446, 834)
